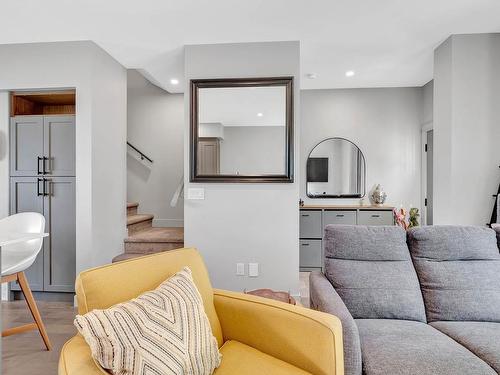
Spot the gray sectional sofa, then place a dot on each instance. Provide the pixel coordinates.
(422, 302)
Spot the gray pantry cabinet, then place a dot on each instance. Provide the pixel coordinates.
(42, 170)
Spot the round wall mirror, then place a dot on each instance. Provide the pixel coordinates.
(336, 169)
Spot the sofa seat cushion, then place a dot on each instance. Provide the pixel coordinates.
(398, 347)
(481, 338)
(241, 359)
(459, 272)
(371, 269)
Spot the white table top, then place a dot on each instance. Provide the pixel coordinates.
(11, 238)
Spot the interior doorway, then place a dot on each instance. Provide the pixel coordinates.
(427, 174)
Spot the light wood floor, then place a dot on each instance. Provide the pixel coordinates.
(25, 354)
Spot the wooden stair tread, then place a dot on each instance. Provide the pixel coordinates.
(132, 204)
(175, 234)
(138, 218)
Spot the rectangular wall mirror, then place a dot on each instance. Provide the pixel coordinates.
(242, 130)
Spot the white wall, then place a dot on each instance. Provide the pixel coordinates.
(245, 222)
(427, 103)
(384, 123)
(155, 126)
(253, 149)
(100, 84)
(466, 128)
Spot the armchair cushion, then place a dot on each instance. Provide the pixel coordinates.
(242, 359)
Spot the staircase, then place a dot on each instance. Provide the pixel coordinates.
(144, 239)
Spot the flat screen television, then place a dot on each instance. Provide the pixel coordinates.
(317, 170)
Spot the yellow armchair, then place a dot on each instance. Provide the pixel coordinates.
(255, 335)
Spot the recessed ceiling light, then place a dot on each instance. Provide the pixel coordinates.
(174, 81)
(260, 114)
(312, 76)
(349, 73)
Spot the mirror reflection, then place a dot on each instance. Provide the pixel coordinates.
(241, 131)
(335, 169)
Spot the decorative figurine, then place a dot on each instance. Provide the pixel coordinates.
(378, 195)
(400, 218)
(413, 219)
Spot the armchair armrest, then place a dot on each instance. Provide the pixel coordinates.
(305, 338)
(325, 298)
(75, 359)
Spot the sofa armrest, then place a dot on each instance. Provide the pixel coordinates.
(325, 298)
(305, 338)
(75, 359)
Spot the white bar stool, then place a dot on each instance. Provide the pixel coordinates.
(21, 239)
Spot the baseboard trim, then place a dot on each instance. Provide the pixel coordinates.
(168, 223)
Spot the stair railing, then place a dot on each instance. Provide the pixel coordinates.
(141, 154)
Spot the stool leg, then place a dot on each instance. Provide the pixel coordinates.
(23, 283)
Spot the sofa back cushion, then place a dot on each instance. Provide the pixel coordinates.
(371, 269)
(459, 272)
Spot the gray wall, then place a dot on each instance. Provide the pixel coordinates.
(245, 222)
(384, 123)
(253, 149)
(428, 103)
(101, 129)
(466, 128)
(155, 125)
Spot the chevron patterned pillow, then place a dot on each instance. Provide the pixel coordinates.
(164, 331)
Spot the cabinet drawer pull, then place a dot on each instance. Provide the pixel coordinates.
(340, 215)
(375, 215)
(305, 244)
(305, 215)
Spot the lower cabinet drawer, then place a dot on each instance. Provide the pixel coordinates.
(339, 217)
(375, 218)
(311, 254)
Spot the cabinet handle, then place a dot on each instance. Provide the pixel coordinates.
(46, 187)
(339, 215)
(304, 215)
(38, 160)
(38, 180)
(305, 244)
(375, 215)
(45, 159)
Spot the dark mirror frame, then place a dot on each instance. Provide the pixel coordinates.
(197, 84)
(346, 196)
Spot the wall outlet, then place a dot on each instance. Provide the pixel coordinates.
(240, 269)
(196, 193)
(253, 269)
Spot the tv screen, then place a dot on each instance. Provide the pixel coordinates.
(317, 170)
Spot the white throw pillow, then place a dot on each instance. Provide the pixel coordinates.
(164, 331)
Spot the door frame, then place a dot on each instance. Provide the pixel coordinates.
(425, 128)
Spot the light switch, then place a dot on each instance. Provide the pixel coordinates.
(196, 193)
(253, 269)
(240, 269)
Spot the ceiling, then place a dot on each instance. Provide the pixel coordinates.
(386, 42)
